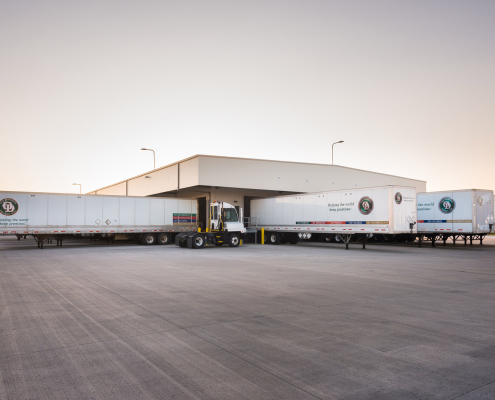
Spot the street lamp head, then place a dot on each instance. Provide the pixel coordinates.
(340, 141)
(80, 186)
(154, 166)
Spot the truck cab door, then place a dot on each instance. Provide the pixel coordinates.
(215, 217)
(231, 220)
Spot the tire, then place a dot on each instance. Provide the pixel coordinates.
(294, 239)
(234, 240)
(378, 238)
(338, 239)
(198, 241)
(317, 237)
(148, 239)
(266, 238)
(284, 240)
(330, 239)
(163, 238)
(180, 239)
(274, 238)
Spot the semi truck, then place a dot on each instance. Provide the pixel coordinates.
(344, 214)
(455, 214)
(48, 216)
(225, 226)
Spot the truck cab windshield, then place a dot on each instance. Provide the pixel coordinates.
(230, 215)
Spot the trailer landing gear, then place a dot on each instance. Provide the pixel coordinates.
(446, 236)
(42, 239)
(363, 238)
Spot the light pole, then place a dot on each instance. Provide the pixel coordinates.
(153, 156)
(341, 141)
(79, 186)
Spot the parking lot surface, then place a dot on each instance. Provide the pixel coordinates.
(310, 321)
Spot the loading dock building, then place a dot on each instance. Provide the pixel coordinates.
(237, 180)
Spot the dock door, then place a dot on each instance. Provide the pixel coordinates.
(202, 212)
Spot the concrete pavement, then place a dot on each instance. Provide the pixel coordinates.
(96, 321)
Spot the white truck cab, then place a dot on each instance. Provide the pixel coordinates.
(224, 217)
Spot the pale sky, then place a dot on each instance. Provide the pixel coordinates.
(84, 85)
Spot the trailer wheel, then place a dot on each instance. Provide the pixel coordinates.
(163, 238)
(234, 240)
(198, 241)
(378, 238)
(148, 238)
(330, 239)
(265, 238)
(274, 238)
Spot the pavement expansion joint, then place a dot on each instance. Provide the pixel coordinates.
(90, 343)
(473, 390)
(198, 336)
(254, 365)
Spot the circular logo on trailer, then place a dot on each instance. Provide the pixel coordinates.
(8, 206)
(365, 205)
(398, 198)
(446, 205)
(480, 200)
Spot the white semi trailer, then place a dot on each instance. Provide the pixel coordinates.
(455, 214)
(48, 216)
(362, 213)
